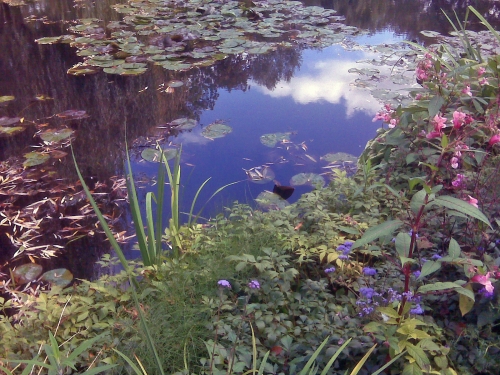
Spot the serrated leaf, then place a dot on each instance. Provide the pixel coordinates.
(461, 206)
(428, 268)
(419, 355)
(385, 229)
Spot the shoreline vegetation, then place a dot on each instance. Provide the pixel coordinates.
(394, 270)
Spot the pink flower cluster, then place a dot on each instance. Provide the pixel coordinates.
(459, 181)
(387, 116)
(439, 125)
(423, 70)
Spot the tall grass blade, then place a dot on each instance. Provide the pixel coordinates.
(131, 363)
(315, 355)
(159, 208)
(151, 239)
(388, 363)
(360, 364)
(102, 221)
(194, 201)
(485, 23)
(334, 357)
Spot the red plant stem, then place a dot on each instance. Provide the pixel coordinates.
(407, 267)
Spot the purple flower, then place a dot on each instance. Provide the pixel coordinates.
(367, 292)
(224, 284)
(330, 270)
(343, 257)
(348, 244)
(369, 271)
(417, 310)
(416, 274)
(485, 293)
(436, 257)
(254, 284)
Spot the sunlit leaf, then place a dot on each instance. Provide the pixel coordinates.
(385, 229)
(49, 40)
(27, 273)
(312, 179)
(6, 98)
(56, 135)
(60, 277)
(7, 131)
(154, 155)
(270, 140)
(270, 201)
(339, 156)
(216, 130)
(35, 158)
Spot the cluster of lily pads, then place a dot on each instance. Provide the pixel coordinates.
(180, 35)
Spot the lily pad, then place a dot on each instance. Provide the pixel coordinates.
(35, 158)
(6, 121)
(6, 98)
(81, 70)
(175, 83)
(27, 273)
(73, 114)
(153, 155)
(430, 34)
(49, 40)
(56, 135)
(270, 201)
(271, 139)
(339, 156)
(184, 123)
(312, 179)
(10, 130)
(60, 277)
(216, 130)
(260, 175)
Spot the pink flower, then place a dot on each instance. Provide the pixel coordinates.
(422, 74)
(433, 134)
(467, 91)
(393, 123)
(458, 119)
(473, 201)
(454, 163)
(418, 96)
(495, 139)
(439, 123)
(458, 181)
(484, 280)
(483, 81)
(481, 71)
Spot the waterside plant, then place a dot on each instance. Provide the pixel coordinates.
(405, 255)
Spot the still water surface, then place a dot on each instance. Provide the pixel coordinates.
(309, 93)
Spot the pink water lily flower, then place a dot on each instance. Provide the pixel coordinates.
(484, 280)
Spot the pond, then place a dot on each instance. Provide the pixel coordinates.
(287, 104)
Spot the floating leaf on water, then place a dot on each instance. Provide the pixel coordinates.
(27, 273)
(6, 121)
(73, 114)
(56, 135)
(35, 158)
(60, 277)
(384, 94)
(270, 201)
(271, 139)
(430, 34)
(154, 155)
(81, 70)
(10, 130)
(184, 123)
(6, 98)
(312, 179)
(49, 40)
(43, 98)
(260, 175)
(216, 130)
(339, 156)
(175, 83)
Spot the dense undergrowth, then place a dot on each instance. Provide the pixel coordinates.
(405, 255)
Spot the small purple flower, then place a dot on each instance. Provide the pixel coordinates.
(485, 293)
(343, 257)
(436, 257)
(224, 284)
(367, 292)
(330, 270)
(254, 284)
(416, 274)
(348, 244)
(369, 271)
(417, 310)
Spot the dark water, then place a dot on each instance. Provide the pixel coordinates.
(306, 92)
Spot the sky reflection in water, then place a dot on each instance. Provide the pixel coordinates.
(319, 105)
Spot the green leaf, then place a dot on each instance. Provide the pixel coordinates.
(403, 241)
(461, 206)
(385, 229)
(466, 303)
(435, 105)
(454, 249)
(444, 141)
(412, 369)
(419, 355)
(428, 268)
(437, 286)
(418, 200)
